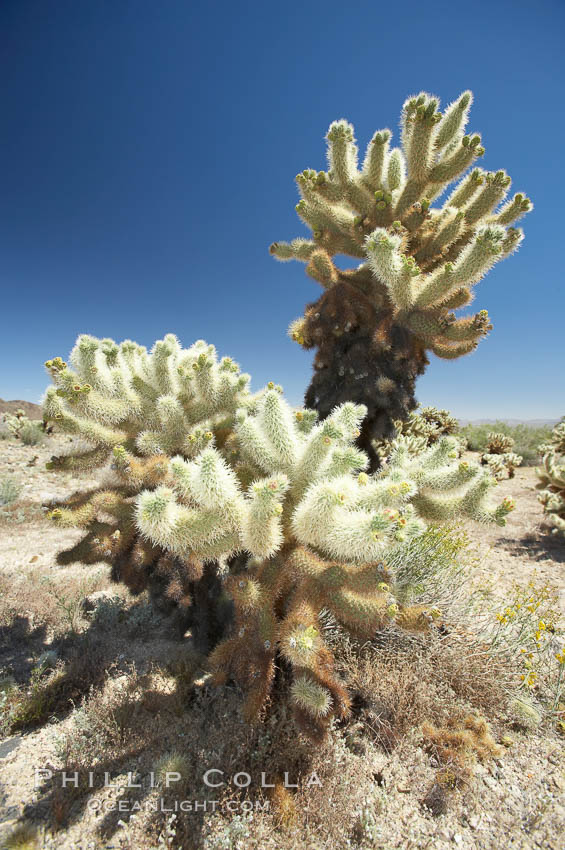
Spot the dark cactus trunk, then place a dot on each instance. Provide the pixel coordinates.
(365, 358)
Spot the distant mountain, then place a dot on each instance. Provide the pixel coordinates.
(534, 423)
(31, 410)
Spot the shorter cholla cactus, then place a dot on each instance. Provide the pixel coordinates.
(317, 529)
(501, 464)
(498, 444)
(552, 479)
(499, 456)
(132, 410)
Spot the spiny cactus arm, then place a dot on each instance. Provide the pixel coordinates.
(495, 189)
(277, 424)
(80, 461)
(136, 473)
(439, 508)
(551, 472)
(447, 230)
(91, 363)
(450, 128)
(466, 328)
(261, 532)
(89, 430)
(298, 249)
(81, 515)
(204, 533)
(451, 352)
(375, 159)
(344, 461)
(392, 267)
(449, 477)
(419, 119)
(513, 210)
(466, 190)
(328, 519)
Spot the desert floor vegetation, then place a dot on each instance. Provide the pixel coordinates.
(454, 739)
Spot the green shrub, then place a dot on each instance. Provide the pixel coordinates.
(31, 433)
(10, 490)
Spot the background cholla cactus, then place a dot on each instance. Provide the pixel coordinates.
(19, 426)
(135, 409)
(556, 441)
(499, 456)
(289, 493)
(499, 444)
(551, 476)
(15, 422)
(374, 324)
(436, 423)
(421, 429)
(502, 464)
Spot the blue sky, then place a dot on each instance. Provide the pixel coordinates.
(148, 155)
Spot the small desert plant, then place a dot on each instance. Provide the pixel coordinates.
(10, 490)
(456, 748)
(31, 433)
(22, 837)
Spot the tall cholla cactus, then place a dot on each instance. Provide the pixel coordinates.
(551, 476)
(135, 409)
(292, 494)
(374, 324)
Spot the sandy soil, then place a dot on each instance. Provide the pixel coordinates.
(518, 801)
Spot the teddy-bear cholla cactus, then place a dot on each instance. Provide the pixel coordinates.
(551, 476)
(374, 324)
(499, 456)
(16, 422)
(292, 494)
(135, 409)
(421, 429)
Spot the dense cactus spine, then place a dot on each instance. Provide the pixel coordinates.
(130, 411)
(417, 263)
(291, 494)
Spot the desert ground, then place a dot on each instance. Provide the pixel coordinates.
(122, 691)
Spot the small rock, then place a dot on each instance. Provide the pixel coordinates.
(490, 783)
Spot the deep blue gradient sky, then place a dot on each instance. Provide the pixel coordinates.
(148, 154)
